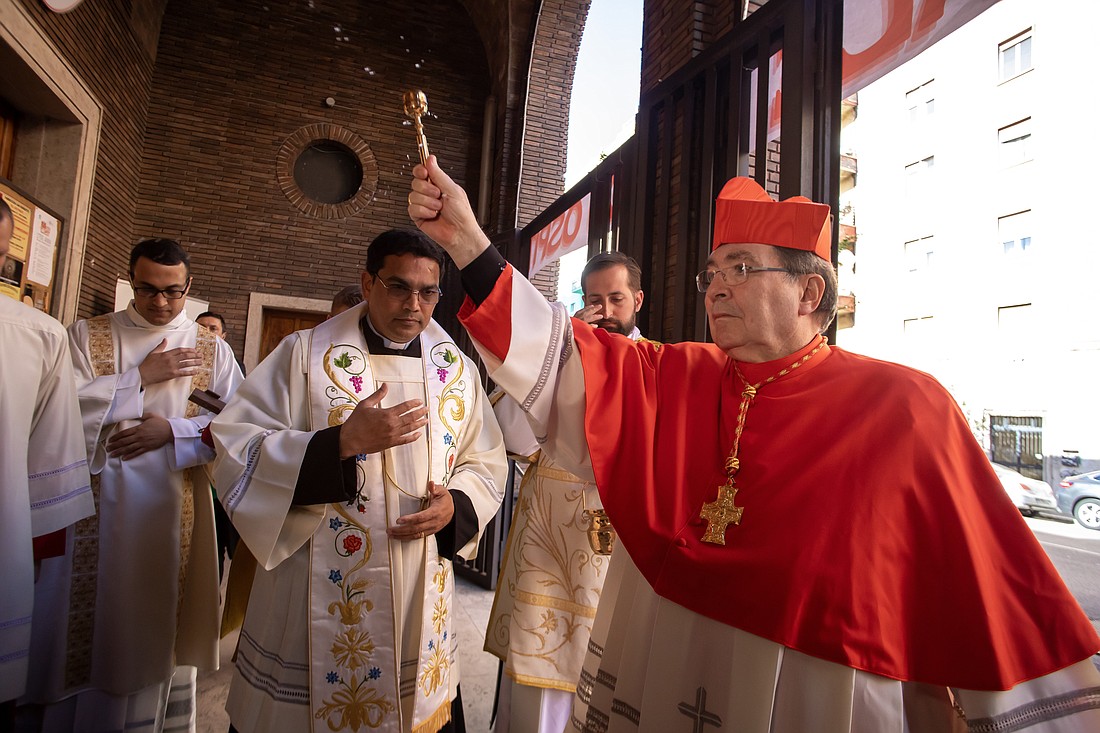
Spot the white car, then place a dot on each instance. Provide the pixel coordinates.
(1030, 495)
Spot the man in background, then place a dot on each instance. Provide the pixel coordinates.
(346, 299)
(212, 322)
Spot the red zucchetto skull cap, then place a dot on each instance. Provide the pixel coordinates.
(745, 214)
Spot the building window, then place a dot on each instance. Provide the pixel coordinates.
(920, 102)
(327, 171)
(918, 255)
(1014, 143)
(917, 333)
(1014, 233)
(1015, 323)
(917, 176)
(1015, 55)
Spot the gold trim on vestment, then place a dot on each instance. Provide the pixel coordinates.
(545, 682)
(85, 559)
(559, 604)
(436, 720)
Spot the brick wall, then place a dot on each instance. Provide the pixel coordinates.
(553, 63)
(234, 81)
(675, 31)
(108, 50)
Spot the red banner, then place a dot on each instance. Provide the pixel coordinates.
(567, 232)
(879, 36)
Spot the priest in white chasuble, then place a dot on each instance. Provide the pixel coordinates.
(356, 461)
(44, 485)
(813, 539)
(130, 612)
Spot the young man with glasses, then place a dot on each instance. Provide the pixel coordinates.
(813, 539)
(134, 605)
(356, 461)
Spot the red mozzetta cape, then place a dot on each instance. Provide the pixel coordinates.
(875, 533)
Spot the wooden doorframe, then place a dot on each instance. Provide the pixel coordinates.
(39, 58)
(257, 304)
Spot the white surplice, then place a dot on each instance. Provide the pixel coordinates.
(262, 437)
(150, 612)
(653, 665)
(43, 468)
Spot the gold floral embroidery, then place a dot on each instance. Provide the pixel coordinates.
(435, 670)
(353, 706)
(439, 615)
(353, 648)
(452, 405)
(440, 578)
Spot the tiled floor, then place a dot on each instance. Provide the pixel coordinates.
(478, 668)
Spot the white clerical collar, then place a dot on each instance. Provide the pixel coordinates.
(385, 341)
(140, 322)
(635, 334)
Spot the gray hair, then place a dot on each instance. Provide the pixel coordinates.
(801, 262)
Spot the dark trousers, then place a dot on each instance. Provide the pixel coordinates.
(227, 535)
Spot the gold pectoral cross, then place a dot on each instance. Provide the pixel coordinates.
(720, 513)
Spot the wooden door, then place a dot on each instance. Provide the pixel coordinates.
(278, 324)
(8, 119)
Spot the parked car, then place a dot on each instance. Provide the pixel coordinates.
(1030, 495)
(1079, 497)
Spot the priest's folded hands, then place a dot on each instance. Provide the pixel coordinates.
(434, 517)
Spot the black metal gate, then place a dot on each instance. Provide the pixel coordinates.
(1017, 442)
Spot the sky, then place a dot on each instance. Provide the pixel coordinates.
(605, 87)
(605, 99)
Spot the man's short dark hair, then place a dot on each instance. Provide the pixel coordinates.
(605, 260)
(402, 242)
(212, 314)
(5, 211)
(801, 262)
(162, 251)
(348, 297)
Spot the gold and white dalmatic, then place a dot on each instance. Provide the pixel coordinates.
(345, 628)
(133, 604)
(550, 585)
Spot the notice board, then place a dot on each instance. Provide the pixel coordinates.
(30, 272)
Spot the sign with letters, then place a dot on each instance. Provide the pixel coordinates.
(879, 36)
(567, 232)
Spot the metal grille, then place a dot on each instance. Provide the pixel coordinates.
(1017, 442)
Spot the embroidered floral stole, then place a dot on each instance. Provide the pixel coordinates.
(355, 669)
